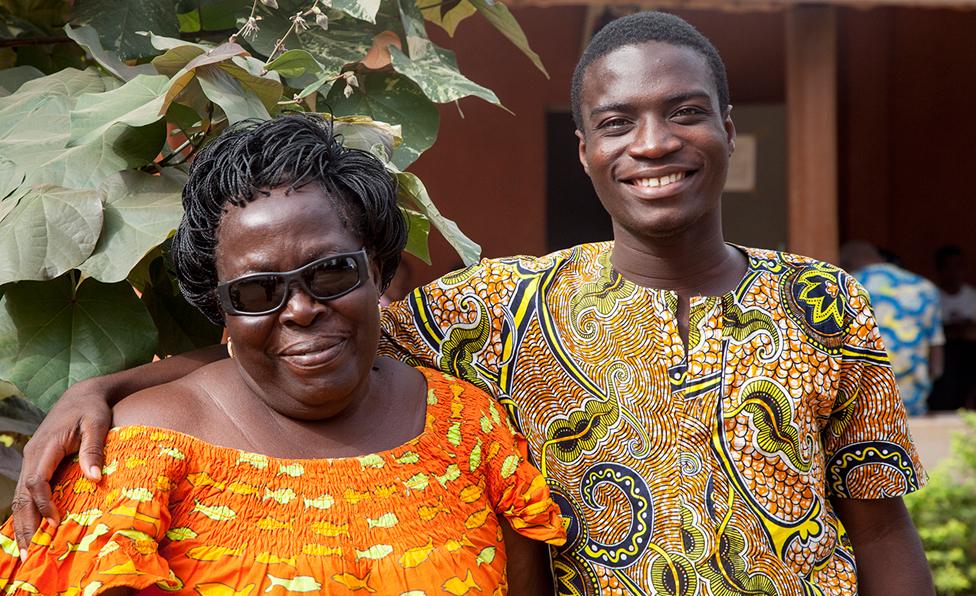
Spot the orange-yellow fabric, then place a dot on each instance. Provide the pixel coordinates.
(174, 514)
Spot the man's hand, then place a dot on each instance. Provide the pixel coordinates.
(888, 551)
(78, 422)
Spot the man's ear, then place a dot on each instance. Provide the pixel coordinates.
(582, 151)
(729, 128)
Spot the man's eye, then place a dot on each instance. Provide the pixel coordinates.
(613, 123)
(688, 112)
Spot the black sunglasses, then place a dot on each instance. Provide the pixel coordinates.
(328, 278)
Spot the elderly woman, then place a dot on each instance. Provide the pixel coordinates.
(305, 463)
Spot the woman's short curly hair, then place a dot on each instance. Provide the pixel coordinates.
(253, 157)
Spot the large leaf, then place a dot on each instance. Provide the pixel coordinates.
(118, 21)
(137, 103)
(389, 97)
(447, 14)
(181, 326)
(87, 38)
(413, 194)
(499, 16)
(294, 63)
(12, 78)
(364, 10)
(54, 333)
(366, 134)
(17, 415)
(11, 177)
(50, 231)
(435, 71)
(210, 15)
(228, 93)
(346, 42)
(34, 129)
(418, 231)
(140, 212)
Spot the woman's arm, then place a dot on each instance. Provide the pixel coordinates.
(529, 566)
(79, 422)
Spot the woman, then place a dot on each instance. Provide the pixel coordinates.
(305, 463)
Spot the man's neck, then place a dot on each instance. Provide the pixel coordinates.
(696, 262)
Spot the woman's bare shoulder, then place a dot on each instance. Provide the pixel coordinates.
(183, 405)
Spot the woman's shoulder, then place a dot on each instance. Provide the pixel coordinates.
(183, 405)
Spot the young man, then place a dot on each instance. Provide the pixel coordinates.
(706, 415)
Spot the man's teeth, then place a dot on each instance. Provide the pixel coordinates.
(662, 181)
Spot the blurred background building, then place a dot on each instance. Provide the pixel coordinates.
(854, 121)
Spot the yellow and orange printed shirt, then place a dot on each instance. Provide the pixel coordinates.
(176, 515)
(706, 471)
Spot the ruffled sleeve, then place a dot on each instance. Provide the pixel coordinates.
(517, 489)
(109, 532)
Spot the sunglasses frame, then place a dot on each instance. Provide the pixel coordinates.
(293, 276)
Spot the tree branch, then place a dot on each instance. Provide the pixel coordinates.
(33, 41)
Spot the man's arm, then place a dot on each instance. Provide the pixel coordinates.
(79, 422)
(529, 568)
(888, 551)
(936, 361)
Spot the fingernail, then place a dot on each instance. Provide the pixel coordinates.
(95, 472)
(51, 522)
(23, 554)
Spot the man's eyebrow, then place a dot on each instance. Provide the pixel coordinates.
(668, 100)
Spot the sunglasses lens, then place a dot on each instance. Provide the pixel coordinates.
(257, 294)
(332, 277)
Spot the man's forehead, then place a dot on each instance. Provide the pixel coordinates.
(655, 64)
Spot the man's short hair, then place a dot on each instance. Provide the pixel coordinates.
(644, 27)
(946, 252)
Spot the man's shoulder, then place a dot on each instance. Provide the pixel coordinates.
(783, 263)
(492, 273)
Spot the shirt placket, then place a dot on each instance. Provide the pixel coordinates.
(696, 382)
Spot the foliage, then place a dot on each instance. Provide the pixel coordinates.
(104, 102)
(945, 515)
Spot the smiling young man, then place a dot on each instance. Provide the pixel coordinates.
(711, 419)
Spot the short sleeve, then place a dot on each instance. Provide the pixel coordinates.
(109, 531)
(868, 448)
(454, 323)
(516, 489)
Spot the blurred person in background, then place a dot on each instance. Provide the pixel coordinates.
(957, 388)
(907, 309)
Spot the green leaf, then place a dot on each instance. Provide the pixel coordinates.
(412, 192)
(140, 212)
(137, 103)
(50, 231)
(418, 231)
(294, 63)
(118, 21)
(189, 21)
(448, 15)
(35, 124)
(364, 10)
(366, 134)
(228, 93)
(500, 17)
(181, 326)
(11, 177)
(12, 78)
(346, 42)
(87, 38)
(393, 98)
(435, 71)
(53, 334)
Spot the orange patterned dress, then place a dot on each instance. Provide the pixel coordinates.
(176, 515)
(681, 472)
